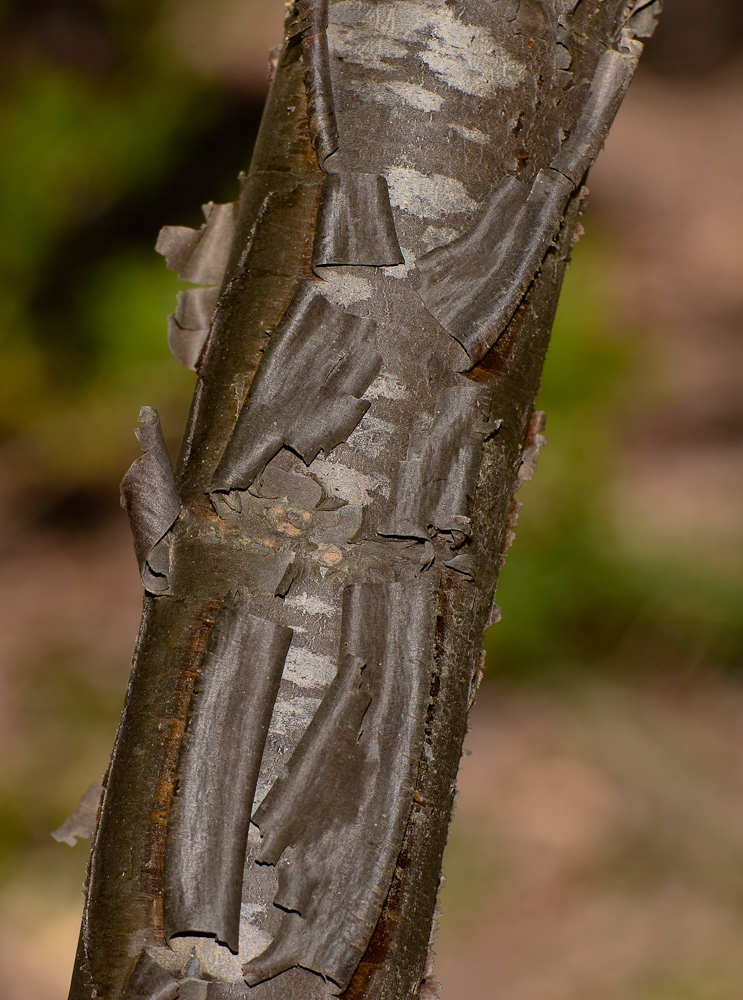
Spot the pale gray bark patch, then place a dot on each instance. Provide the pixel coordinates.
(307, 393)
(471, 134)
(333, 823)
(226, 991)
(342, 288)
(465, 57)
(393, 93)
(83, 819)
(217, 771)
(150, 497)
(307, 669)
(351, 485)
(427, 196)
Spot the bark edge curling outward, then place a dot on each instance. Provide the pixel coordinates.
(150, 497)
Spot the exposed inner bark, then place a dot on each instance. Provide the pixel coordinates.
(346, 496)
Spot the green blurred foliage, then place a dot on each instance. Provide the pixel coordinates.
(82, 329)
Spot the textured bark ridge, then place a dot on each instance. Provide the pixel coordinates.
(321, 566)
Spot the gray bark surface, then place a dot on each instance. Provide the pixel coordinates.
(362, 419)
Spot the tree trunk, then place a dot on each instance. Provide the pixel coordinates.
(369, 331)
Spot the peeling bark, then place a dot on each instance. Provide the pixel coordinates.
(321, 567)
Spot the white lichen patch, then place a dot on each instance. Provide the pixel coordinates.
(468, 58)
(471, 134)
(464, 56)
(307, 669)
(427, 196)
(397, 92)
(371, 436)
(386, 386)
(363, 47)
(349, 484)
(343, 289)
(311, 604)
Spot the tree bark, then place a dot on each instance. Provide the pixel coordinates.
(369, 331)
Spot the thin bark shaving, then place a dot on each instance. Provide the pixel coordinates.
(474, 284)
(355, 223)
(150, 497)
(313, 21)
(200, 255)
(82, 821)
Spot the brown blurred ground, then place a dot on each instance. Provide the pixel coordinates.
(598, 843)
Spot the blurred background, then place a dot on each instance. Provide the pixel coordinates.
(597, 849)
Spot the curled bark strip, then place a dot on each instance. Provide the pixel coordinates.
(306, 393)
(608, 87)
(533, 444)
(434, 486)
(186, 346)
(464, 563)
(188, 329)
(341, 805)
(195, 307)
(82, 821)
(218, 765)
(355, 223)
(150, 498)
(149, 981)
(473, 285)
(313, 15)
(200, 255)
